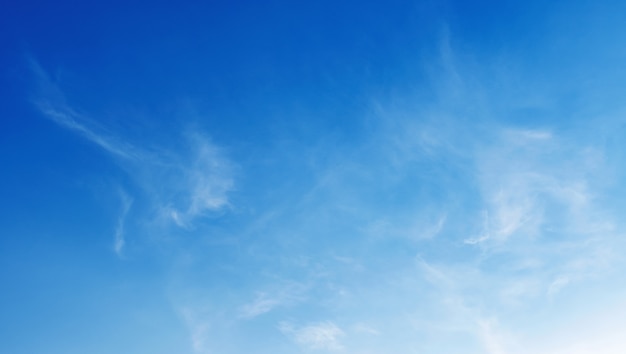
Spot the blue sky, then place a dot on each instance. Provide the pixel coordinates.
(312, 177)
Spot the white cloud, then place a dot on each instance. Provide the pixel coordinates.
(317, 336)
(366, 329)
(206, 180)
(120, 240)
(529, 210)
(68, 118)
(530, 190)
(415, 226)
(598, 328)
(491, 336)
(52, 103)
(284, 294)
(186, 183)
(558, 284)
(263, 303)
(526, 137)
(198, 330)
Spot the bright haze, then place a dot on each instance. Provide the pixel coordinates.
(279, 177)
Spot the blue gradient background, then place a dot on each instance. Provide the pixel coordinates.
(312, 177)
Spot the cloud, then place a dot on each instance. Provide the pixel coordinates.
(198, 330)
(206, 182)
(282, 295)
(534, 229)
(523, 219)
(263, 303)
(492, 338)
(52, 103)
(599, 328)
(505, 217)
(69, 119)
(120, 241)
(365, 329)
(317, 336)
(186, 183)
(415, 226)
(556, 286)
(525, 224)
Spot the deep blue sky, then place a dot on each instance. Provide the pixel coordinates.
(312, 177)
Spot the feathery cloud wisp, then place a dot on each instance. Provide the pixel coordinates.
(120, 240)
(184, 184)
(323, 335)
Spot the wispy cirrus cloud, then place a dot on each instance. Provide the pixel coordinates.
(320, 336)
(506, 218)
(178, 183)
(266, 301)
(206, 179)
(198, 327)
(526, 219)
(68, 118)
(184, 184)
(52, 103)
(263, 303)
(120, 240)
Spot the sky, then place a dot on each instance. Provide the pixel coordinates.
(370, 177)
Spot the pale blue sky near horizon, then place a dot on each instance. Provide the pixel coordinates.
(312, 177)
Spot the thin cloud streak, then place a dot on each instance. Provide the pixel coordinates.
(67, 118)
(198, 328)
(184, 184)
(316, 336)
(208, 180)
(120, 240)
(535, 227)
(52, 103)
(264, 302)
